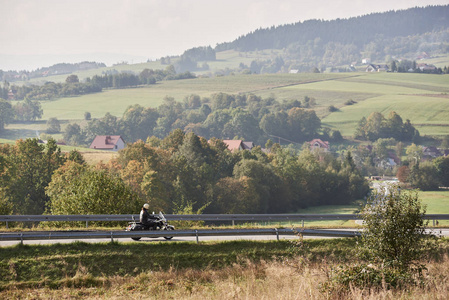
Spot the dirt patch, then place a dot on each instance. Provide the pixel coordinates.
(446, 96)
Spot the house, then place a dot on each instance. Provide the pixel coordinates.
(108, 142)
(11, 95)
(431, 152)
(235, 145)
(427, 68)
(377, 68)
(319, 144)
(366, 61)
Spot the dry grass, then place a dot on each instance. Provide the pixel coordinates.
(95, 157)
(292, 279)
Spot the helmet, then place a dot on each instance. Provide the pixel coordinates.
(146, 206)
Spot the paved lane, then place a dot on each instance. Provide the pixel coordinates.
(442, 232)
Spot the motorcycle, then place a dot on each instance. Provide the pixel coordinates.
(160, 224)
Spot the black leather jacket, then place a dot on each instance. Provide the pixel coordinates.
(146, 217)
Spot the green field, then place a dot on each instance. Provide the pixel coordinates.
(422, 98)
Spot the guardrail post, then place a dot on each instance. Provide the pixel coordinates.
(302, 223)
(87, 223)
(112, 239)
(233, 224)
(433, 222)
(197, 240)
(6, 224)
(277, 234)
(21, 238)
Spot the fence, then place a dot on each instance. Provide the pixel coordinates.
(58, 235)
(206, 217)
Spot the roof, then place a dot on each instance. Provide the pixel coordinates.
(105, 141)
(321, 144)
(233, 144)
(238, 145)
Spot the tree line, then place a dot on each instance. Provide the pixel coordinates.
(57, 69)
(180, 172)
(73, 86)
(246, 116)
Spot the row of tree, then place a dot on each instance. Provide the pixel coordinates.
(376, 126)
(225, 116)
(57, 69)
(182, 171)
(73, 87)
(426, 176)
(25, 111)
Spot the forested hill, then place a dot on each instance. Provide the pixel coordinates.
(358, 32)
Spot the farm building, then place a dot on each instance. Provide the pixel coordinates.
(108, 142)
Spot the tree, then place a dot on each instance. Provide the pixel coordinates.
(442, 168)
(73, 135)
(72, 79)
(414, 153)
(30, 167)
(394, 230)
(53, 125)
(138, 122)
(6, 114)
(81, 189)
(424, 177)
(28, 110)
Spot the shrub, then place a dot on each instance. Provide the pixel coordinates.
(332, 108)
(393, 242)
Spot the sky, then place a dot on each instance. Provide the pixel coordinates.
(39, 33)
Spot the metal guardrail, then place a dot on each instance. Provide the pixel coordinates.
(59, 235)
(205, 217)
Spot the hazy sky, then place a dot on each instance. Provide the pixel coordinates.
(36, 33)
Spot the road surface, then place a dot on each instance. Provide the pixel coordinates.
(442, 232)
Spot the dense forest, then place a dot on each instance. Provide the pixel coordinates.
(378, 37)
(178, 173)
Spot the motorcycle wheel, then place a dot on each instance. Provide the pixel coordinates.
(168, 237)
(136, 238)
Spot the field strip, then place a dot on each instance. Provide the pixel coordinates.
(299, 83)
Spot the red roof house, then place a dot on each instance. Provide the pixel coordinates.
(108, 142)
(235, 145)
(319, 144)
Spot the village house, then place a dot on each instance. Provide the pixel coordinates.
(108, 142)
(319, 144)
(235, 145)
(431, 152)
(377, 68)
(427, 68)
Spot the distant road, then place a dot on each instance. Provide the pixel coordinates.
(443, 232)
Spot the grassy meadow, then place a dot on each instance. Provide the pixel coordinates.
(227, 270)
(422, 98)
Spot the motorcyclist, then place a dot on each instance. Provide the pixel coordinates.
(147, 219)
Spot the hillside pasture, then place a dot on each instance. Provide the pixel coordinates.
(115, 101)
(430, 114)
(422, 98)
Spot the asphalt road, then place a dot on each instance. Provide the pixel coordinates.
(442, 232)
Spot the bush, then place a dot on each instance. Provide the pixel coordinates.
(393, 242)
(332, 108)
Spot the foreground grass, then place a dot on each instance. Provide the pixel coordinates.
(52, 265)
(229, 270)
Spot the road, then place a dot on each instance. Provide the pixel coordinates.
(442, 232)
